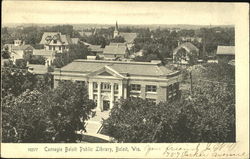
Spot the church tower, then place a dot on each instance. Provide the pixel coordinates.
(116, 32)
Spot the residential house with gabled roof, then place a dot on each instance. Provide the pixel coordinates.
(115, 51)
(55, 41)
(225, 54)
(109, 81)
(185, 53)
(18, 50)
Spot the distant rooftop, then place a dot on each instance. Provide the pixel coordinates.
(225, 50)
(115, 48)
(49, 36)
(122, 67)
(37, 69)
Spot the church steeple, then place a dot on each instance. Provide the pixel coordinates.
(116, 32)
(116, 26)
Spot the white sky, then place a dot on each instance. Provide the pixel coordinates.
(66, 12)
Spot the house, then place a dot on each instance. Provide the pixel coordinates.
(128, 37)
(18, 50)
(55, 41)
(225, 54)
(114, 51)
(185, 53)
(49, 55)
(109, 81)
(96, 50)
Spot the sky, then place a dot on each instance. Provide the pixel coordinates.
(78, 12)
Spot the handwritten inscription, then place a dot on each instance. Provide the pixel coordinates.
(204, 150)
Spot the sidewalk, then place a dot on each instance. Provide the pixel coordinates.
(94, 124)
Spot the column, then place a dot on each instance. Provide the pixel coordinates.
(90, 90)
(125, 91)
(99, 101)
(120, 90)
(112, 96)
(143, 91)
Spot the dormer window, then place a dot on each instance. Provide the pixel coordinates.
(54, 41)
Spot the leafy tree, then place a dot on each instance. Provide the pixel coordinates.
(207, 114)
(96, 40)
(24, 118)
(37, 60)
(78, 51)
(16, 81)
(118, 39)
(49, 116)
(5, 54)
(21, 63)
(69, 108)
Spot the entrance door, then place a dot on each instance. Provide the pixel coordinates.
(106, 105)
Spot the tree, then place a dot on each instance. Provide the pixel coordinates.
(78, 51)
(37, 59)
(207, 114)
(208, 117)
(69, 108)
(15, 81)
(24, 118)
(5, 54)
(118, 39)
(49, 116)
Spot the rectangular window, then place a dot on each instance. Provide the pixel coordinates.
(59, 47)
(50, 47)
(135, 87)
(105, 86)
(116, 87)
(95, 86)
(54, 48)
(172, 91)
(150, 88)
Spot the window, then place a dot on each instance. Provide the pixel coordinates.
(105, 86)
(50, 47)
(172, 91)
(95, 86)
(59, 47)
(54, 41)
(135, 87)
(151, 88)
(116, 87)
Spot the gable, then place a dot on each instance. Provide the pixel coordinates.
(105, 73)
